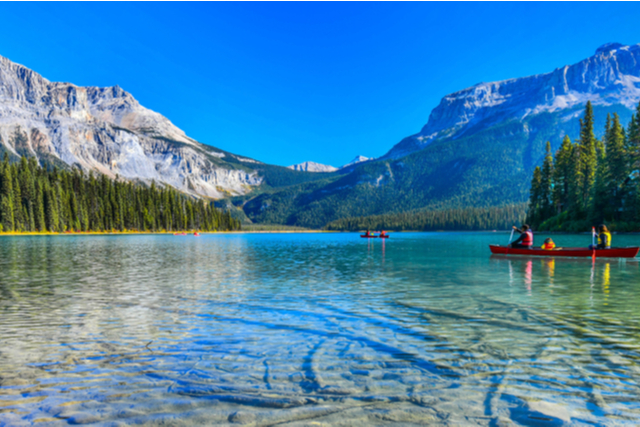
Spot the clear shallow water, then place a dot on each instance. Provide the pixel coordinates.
(313, 329)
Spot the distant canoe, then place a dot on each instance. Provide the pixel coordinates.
(364, 236)
(629, 252)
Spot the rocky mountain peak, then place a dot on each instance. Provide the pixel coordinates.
(107, 130)
(312, 167)
(611, 76)
(607, 47)
(356, 160)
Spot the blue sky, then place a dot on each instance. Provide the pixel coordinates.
(290, 82)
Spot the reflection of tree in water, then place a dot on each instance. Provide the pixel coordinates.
(237, 339)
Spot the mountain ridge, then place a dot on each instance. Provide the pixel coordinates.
(107, 130)
(598, 78)
(312, 167)
(478, 148)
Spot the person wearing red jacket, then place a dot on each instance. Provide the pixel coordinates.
(525, 241)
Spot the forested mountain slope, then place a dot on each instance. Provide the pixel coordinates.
(106, 130)
(479, 147)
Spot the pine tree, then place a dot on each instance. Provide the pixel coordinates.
(66, 200)
(546, 184)
(562, 174)
(6, 197)
(633, 149)
(50, 208)
(587, 162)
(600, 194)
(534, 212)
(617, 166)
(39, 208)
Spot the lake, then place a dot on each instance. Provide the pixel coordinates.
(315, 329)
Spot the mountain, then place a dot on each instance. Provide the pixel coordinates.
(317, 167)
(106, 130)
(312, 167)
(355, 161)
(609, 78)
(478, 148)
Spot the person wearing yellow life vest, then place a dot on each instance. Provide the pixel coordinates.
(604, 238)
(548, 244)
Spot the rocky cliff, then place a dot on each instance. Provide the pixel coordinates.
(610, 77)
(108, 131)
(312, 167)
(479, 147)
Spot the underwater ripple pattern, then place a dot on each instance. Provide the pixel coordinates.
(312, 329)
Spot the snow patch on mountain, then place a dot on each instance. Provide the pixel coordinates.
(611, 76)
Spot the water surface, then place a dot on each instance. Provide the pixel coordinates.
(313, 329)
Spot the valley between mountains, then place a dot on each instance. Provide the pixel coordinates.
(477, 149)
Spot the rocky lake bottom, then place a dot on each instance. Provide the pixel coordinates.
(314, 329)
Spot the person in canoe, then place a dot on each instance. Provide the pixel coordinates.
(368, 234)
(525, 241)
(604, 238)
(548, 244)
(383, 233)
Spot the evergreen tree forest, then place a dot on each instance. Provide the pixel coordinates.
(466, 219)
(38, 199)
(590, 181)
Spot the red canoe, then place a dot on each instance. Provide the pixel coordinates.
(374, 236)
(629, 252)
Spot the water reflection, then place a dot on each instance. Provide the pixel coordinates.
(275, 329)
(533, 270)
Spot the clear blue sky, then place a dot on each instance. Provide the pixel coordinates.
(290, 82)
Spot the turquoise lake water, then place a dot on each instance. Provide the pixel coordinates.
(315, 329)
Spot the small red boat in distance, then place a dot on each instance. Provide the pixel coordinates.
(629, 252)
(373, 236)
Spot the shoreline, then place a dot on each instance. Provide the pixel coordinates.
(124, 233)
(188, 233)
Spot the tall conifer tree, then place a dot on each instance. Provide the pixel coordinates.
(534, 214)
(587, 162)
(546, 184)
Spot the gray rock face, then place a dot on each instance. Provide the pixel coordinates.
(108, 131)
(356, 160)
(611, 76)
(312, 167)
(317, 167)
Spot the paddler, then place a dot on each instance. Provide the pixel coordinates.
(604, 238)
(367, 234)
(383, 234)
(525, 241)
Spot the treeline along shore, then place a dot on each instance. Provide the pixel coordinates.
(462, 219)
(48, 200)
(590, 181)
